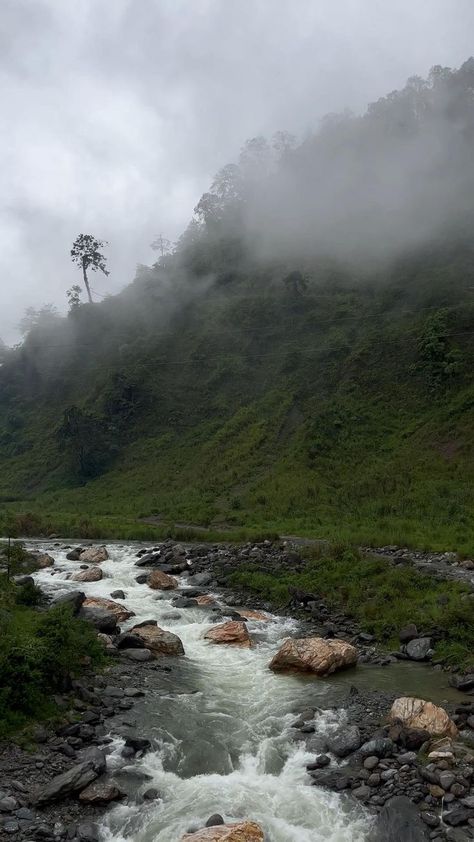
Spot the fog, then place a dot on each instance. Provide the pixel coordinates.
(117, 114)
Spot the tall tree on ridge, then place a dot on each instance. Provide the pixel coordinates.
(86, 253)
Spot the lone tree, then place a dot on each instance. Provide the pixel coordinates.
(86, 253)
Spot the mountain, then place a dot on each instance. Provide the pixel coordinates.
(302, 362)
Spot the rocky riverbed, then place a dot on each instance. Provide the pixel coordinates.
(171, 736)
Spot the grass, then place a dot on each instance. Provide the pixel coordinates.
(380, 597)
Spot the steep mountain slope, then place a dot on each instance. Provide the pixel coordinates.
(300, 392)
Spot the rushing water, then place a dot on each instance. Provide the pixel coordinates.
(221, 720)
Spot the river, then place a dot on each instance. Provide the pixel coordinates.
(221, 723)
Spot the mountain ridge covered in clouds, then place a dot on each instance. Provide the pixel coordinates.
(301, 360)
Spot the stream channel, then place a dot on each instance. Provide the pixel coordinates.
(220, 722)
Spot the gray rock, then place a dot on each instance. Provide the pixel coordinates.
(151, 794)
(8, 804)
(344, 742)
(361, 792)
(200, 579)
(117, 594)
(419, 649)
(137, 654)
(399, 820)
(380, 748)
(371, 763)
(100, 618)
(75, 779)
(215, 820)
(88, 832)
(11, 826)
(73, 598)
(75, 554)
(407, 633)
(446, 779)
(459, 815)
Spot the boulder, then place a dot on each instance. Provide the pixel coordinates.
(94, 555)
(101, 792)
(92, 574)
(344, 742)
(75, 555)
(205, 599)
(102, 620)
(416, 713)
(118, 594)
(239, 832)
(159, 581)
(250, 614)
(314, 654)
(74, 780)
(419, 649)
(158, 641)
(140, 655)
(119, 611)
(73, 598)
(234, 633)
(43, 560)
(399, 819)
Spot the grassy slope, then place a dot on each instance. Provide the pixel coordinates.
(266, 412)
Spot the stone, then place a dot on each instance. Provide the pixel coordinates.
(73, 598)
(73, 780)
(382, 747)
(250, 614)
(344, 742)
(417, 713)
(429, 818)
(436, 791)
(101, 792)
(158, 641)
(233, 633)
(371, 762)
(139, 655)
(11, 826)
(205, 599)
(245, 831)
(159, 581)
(399, 820)
(319, 762)
(119, 611)
(74, 555)
(94, 555)
(464, 683)
(118, 594)
(88, 832)
(8, 804)
(137, 743)
(43, 560)
(201, 579)
(102, 620)
(419, 649)
(446, 779)
(314, 654)
(215, 820)
(408, 633)
(151, 794)
(457, 816)
(92, 574)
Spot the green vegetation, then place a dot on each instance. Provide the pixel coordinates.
(40, 650)
(380, 597)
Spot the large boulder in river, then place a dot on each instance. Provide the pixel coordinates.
(94, 555)
(314, 654)
(43, 560)
(158, 641)
(416, 713)
(239, 832)
(73, 780)
(101, 792)
(119, 611)
(159, 581)
(92, 574)
(234, 633)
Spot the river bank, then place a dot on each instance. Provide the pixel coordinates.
(271, 721)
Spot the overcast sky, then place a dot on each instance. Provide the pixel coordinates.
(117, 113)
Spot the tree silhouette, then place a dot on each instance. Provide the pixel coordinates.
(86, 253)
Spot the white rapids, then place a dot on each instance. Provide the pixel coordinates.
(221, 721)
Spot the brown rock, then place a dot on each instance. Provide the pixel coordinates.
(44, 560)
(234, 633)
(416, 713)
(314, 654)
(94, 555)
(100, 792)
(239, 832)
(158, 641)
(205, 599)
(159, 581)
(92, 574)
(250, 614)
(436, 791)
(119, 611)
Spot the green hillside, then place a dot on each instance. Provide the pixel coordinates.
(229, 389)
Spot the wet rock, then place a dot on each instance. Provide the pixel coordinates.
(75, 554)
(151, 794)
(344, 742)
(382, 747)
(88, 832)
(141, 579)
(101, 792)
(158, 641)
(137, 743)
(159, 581)
(139, 655)
(417, 713)
(43, 560)
(119, 611)
(73, 780)
(314, 654)
(399, 820)
(94, 555)
(215, 820)
(102, 620)
(245, 831)
(201, 579)
(73, 598)
(205, 599)
(465, 683)
(232, 633)
(119, 594)
(419, 649)
(457, 816)
(319, 762)
(91, 574)
(8, 804)
(249, 614)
